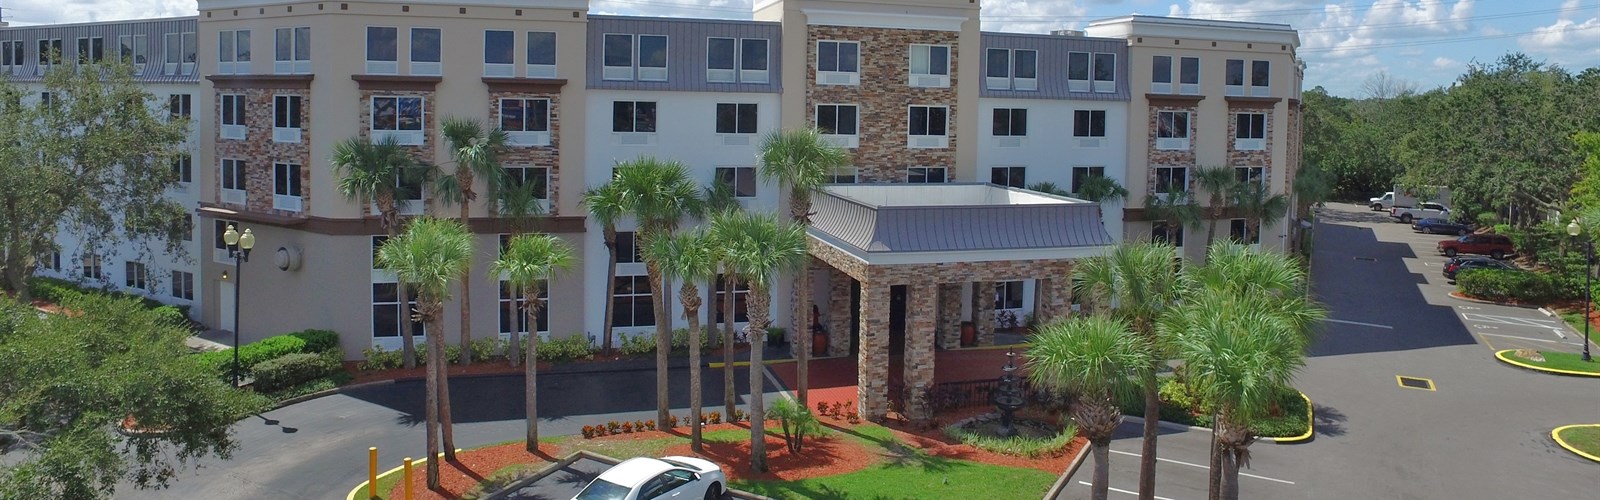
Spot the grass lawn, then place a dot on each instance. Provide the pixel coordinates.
(1585, 439)
(1572, 362)
(1575, 319)
(914, 476)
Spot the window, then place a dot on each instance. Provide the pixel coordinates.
(1010, 122)
(1233, 77)
(409, 197)
(398, 117)
(736, 118)
(1016, 177)
(286, 118)
(233, 51)
(1250, 131)
(1165, 232)
(188, 229)
(183, 168)
(51, 51)
(526, 121)
(286, 186)
(843, 175)
(220, 226)
(1078, 71)
(741, 292)
(91, 50)
(836, 119)
(182, 285)
(179, 105)
(6, 54)
(1161, 74)
(425, 51)
(1189, 75)
(1013, 69)
(233, 118)
(133, 275)
(132, 49)
(838, 63)
(233, 181)
(1172, 130)
(753, 60)
(1171, 179)
(383, 50)
(925, 175)
(91, 267)
(618, 57)
(1255, 176)
(633, 116)
(1241, 232)
(541, 54)
(292, 50)
(538, 178)
(513, 312)
(499, 48)
(742, 179)
(930, 65)
(927, 126)
(750, 55)
(51, 261)
(1105, 72)
(1081, 174)
(1259, 78)
(386, 311)
(653, 58)
(627, 251)
(47, 100)
(631, 306)
(1089, 123)
(1008, 295)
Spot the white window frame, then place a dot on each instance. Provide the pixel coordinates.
(1104, 85)
(1081, 173)
(1157, 185)
(1247, 134)
(1087, 138)
(135, 275)
(634, 136)
(182, 285)
(844, 175)
(506, 69)
(234, 61)
(6, 54)
(511, 309)
(927, 140)
(52, 260)
(1080, 84)
(86, 53)
(739, 72)
(1173, 141)
(729, 74)
(1239, 229)
(188, 52)
(931, 76)
(1256, 72)
(171, 53)
(403, 136)
(233, 169)
(541, 70)
(617, 72)
(1229, 87)
(424, 68)
(237, 128)
(180, 106)
(418, 330)
(526, 136)
(737, 136)
(287, 131)
(138, 51)
(1158, 63)
(1249, 174)
(1169, 231)
(850, 140)
(1015, 175)
(926, 172)
(183, 167)
(1189, 86)
(1012, 79)
(1009, 137)
(382, 66)
(837, 76)
(1002, 296)
(739, 175)
(652, 73)
(284, 196)
(219, 248)
(518, 174)
(294, 65)
(92, 262)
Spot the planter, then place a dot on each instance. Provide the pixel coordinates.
(969, 334)
(819, 343)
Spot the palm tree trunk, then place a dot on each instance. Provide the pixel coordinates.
(408, 338)
(1147, 457)
(663, 341)
(466, 278)
(530, 385)
(758, 304)
(1214, 472)
(1230, 476)
(1100, 487)
(691, 311)
(610, 232)
(442, 368)
(800, 206)
(432, 403)
(730, 396)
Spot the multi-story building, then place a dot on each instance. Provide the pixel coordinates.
(913, 89)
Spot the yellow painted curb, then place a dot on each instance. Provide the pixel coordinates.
(1505, 357)
(1311, 425)
(1557, 435)
(737, 364)
(356, 493)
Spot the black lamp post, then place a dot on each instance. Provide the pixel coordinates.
(239, 246)
(1576, 229)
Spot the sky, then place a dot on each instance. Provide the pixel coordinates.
(1422, 43)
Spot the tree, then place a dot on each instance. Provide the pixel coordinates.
(1102, 189)
(1172, 211)
(721, 199)
(1137, 283)
(689, 258)
(95, 160)
(1098, 363)
(1049, 188)
(759, 247)
(659, 195)
(377, 174)
(430, 254)
(1586, 193)
(1259, 206)
(528, 262)
(1220, 184)
(801, 161)
(606, 205)
(68, 381)
(519, 203)
(475, 152)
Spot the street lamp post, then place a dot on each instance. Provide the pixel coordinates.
(239, 246)
(1576, 229)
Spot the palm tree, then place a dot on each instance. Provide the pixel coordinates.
(759, 247)
(1176, 209)
(1136, 282)
(429, 255)
(1098, 363)
(476, 153)
(720, 199)
(800, 160)
(1219, 183)
(378, 174)
(606, 206)
(1101, 189)
(659, 195)
(1259, 206)
(1049, 188)
(528, 263)
(688, 257)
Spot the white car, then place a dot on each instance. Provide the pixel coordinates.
(675, 478)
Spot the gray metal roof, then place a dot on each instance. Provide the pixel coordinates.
(153, 31)
(945, 227)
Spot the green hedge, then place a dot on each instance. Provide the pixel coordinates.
(60, 290)
(1180, 405)
(1521, 286)
(277, 346)
(293, 369)
(318, 340)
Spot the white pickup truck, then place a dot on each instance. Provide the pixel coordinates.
(1421, 211)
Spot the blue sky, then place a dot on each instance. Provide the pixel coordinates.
(1426, 43)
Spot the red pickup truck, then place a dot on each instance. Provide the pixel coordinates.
(1493, 245)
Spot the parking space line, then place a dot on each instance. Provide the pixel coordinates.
(1358, 323)
(1486, 342)
(1123, 491)
(1198, 466)
(1523, 338)
(1508, 320)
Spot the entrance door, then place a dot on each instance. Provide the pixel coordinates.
(897, 318)
(225, 305)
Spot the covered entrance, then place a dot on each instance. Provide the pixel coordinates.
(908, 264)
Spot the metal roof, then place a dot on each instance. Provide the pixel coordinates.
(999, 220)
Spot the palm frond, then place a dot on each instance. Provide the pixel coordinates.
(430, 254)
(658, 193)
(687, 256)
(1049, 188)
(531, 258)
(1099, 188)
(758, 245)
(1176, 207)
(606, 203)
(800, 159)
(1092, 356)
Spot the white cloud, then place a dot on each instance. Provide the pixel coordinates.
(22, 12)
(720, 9)
(1035, 16)
(1445, 63)
(1566, 40)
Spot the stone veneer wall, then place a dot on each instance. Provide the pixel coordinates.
(1169, 157)
(1262, 158)
(539, 156)
(430, 130)
(259, 151)
(884, 97)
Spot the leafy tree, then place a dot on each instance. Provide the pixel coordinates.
(1586, 193)
(69, 381)
(1049, 188)
(689, 258)
(796, 421)
(1176, 209)
(94, 160)
(430, 254)
(475, 152)
(528, 262)
(1099, 188)
(1220, 184)
(606, 205)
(1095, 361)
(801, 161)
(378, 173)
(1259, 206)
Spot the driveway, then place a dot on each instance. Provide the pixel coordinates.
(318, 449)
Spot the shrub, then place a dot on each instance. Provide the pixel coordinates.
(171, 315)
(714, 417)
(452, 354)
(379, 359)
(293, 369)
(641, 345)
(565, 349)
(491, 348)
(736, 417)
(672, 421)
(588, 432)
(251, 354)
(318, 340)
(627, 427)
(1019, 446)
(60, 290)
(680, 339)
(796, 421)
(613, 426)
(1522, 286)
(822, 408)
(650, 425)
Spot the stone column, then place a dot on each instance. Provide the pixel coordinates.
(919, 355)
(1055, 299)
(839, 286)
(949, 325)
(872, 386)
(983, 311)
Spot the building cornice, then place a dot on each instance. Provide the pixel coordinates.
(371, 225)
(1252, 102)
(300, 82)
(397, 82)
(525, 85)
(1173, 99)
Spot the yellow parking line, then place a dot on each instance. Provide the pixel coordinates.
(1485, 340)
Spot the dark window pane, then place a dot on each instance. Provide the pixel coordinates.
(1189, 70)
(919, 120)
(498, 46)
(727, 118)
(998, 63)
(747, 118)
(622, 116)
(753, 54)
(1026, 65)
(1105, 67)
(385, 292)
(424, 45)
(847, 120)
(644, 117)
(1002, 122)
(541, 47)
(381, 44)
(538, 114)
(1161, 69)
(936, 121)
(939, 60)
(827, 56)
(1235, 72)
(719, 53)
(652, 51)
(511, 115)
(618, 50)
(1019, 122)
(1078, 66)
(1259, 71)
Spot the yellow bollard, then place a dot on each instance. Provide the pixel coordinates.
(407, 479)
(372, 472)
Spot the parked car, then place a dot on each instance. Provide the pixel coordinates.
(675, 478)
(1493, 245)
(1435, 225)
(1421, 211)
(1458, 264)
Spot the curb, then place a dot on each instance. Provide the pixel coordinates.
(356, 492)
(1556, 434)
(1459, 296)
(1504, 357)
(1311, 425)
(1065, 480)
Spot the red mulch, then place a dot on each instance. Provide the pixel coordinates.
(931, 440)
(458, 477)
(827, 456)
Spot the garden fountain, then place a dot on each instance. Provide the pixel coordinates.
(1008, 397)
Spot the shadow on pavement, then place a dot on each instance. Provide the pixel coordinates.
(1328, 421)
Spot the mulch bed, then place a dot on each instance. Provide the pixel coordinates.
(827, 456)
(457, 477)
(933, 441)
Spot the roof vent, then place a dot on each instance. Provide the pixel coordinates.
(1078, 33)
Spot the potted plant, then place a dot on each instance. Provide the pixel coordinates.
(969, 334)
(775, 336)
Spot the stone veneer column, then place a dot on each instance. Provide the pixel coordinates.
(920, 322)
(839, 286)
(872, 386)
(949, 324)
(983, 311)
(1055, 299)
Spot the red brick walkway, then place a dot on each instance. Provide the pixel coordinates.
(834, 379)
